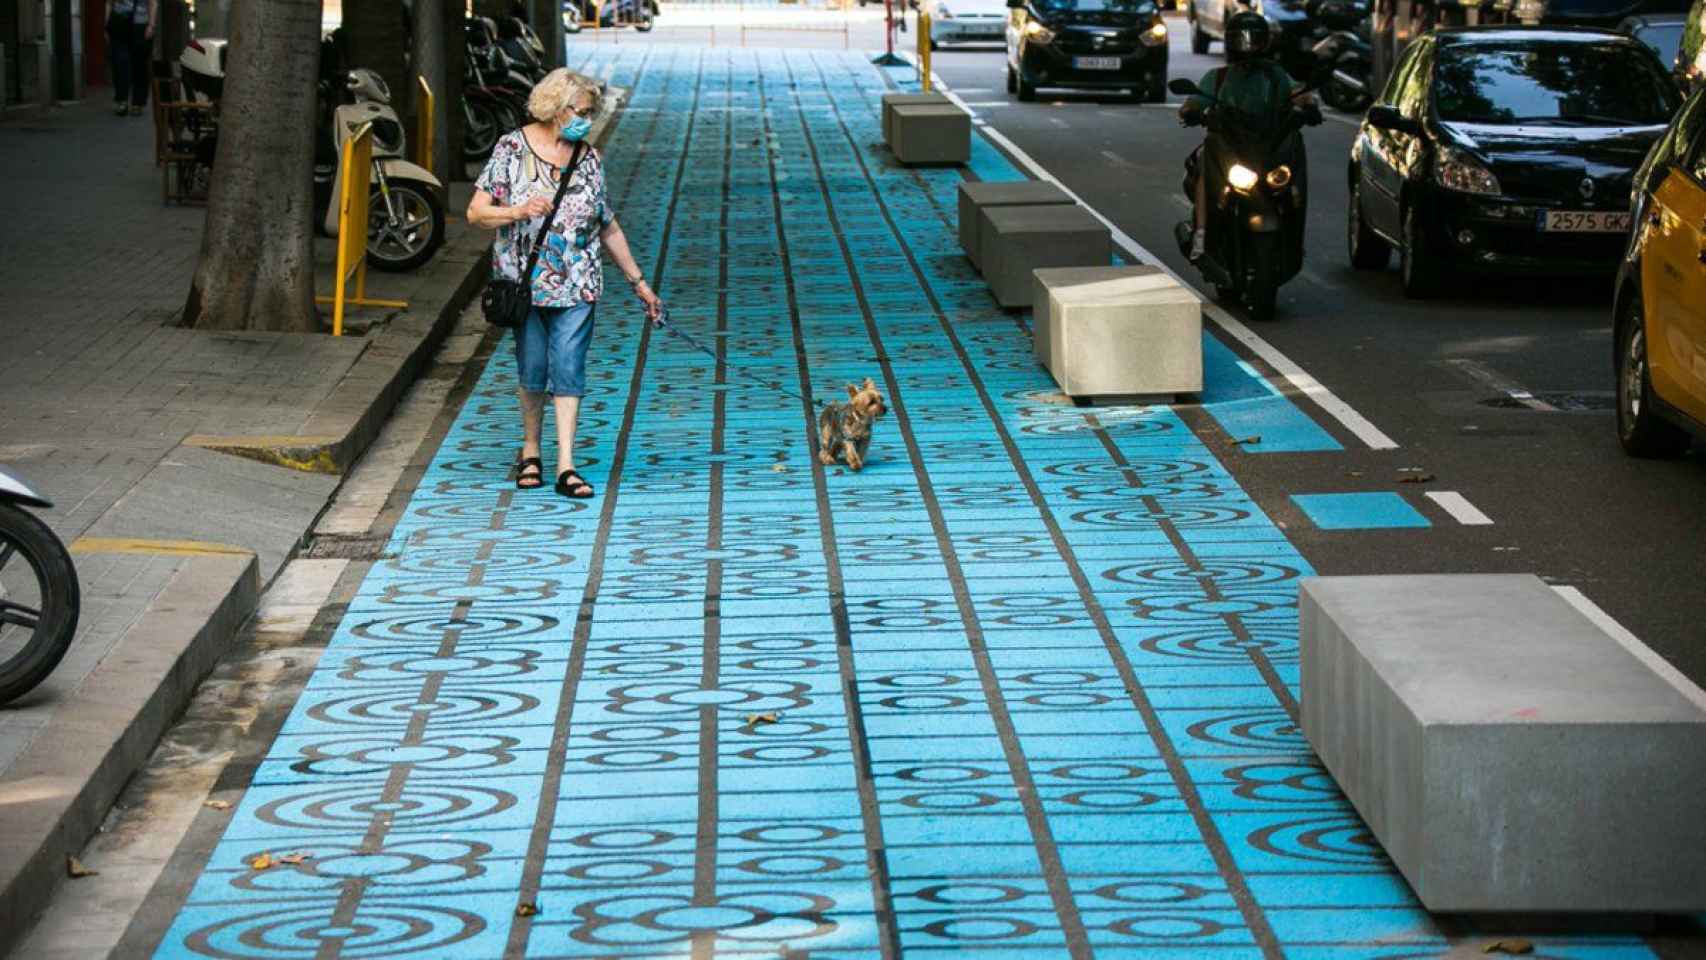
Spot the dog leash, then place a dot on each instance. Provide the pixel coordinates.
(662, 322)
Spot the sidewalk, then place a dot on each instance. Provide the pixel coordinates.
(1023, 687)
(118, 418)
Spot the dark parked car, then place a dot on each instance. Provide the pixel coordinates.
(1661, 32)
(1088, 45)
(1505, 150)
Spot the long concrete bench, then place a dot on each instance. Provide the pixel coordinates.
(1116, 331)
(931, 133)
(1508, 752)
(1016, 240)
(976, 195)
(892, 100)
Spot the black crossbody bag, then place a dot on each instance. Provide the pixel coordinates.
(506, 302)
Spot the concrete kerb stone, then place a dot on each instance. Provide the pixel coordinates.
(1018, 240)
(976, 195)
(56, 795)
(1124, 331)
(926, 133)
(892, 100)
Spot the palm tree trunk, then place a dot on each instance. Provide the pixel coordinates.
(548, 22)
(257, 264)
(377, 41)
(212, 17)
(430, 63)
(455, 57)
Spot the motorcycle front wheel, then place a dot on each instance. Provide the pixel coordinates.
(481, 130)
(417, 234)
(1262, 293)
(39, 602)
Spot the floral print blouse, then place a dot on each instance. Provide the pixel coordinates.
(570, 266)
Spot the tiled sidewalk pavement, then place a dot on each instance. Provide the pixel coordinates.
(1031, 669)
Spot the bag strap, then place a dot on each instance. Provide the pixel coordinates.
(526, 277)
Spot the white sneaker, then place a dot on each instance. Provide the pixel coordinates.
(1199, 240)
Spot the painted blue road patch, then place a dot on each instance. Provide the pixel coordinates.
(1359, 511)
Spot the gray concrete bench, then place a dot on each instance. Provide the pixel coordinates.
(1016, 240)
(929, 133)
(1509, 753)
(977, 195)
(1116, 331)
(892, 100)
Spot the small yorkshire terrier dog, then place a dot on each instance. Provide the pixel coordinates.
(844, 429)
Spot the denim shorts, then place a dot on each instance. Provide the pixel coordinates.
(550, 349)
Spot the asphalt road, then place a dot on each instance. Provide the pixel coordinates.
(1433, 375)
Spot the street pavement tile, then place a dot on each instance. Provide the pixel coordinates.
(1005, 692)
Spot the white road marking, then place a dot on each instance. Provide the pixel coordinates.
(1120, 161)
(1356, 423)
(1482, 373)
(989, 103)
(1460, 508)
(1633, 644)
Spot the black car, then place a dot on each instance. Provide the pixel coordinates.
(1087, 45)
(1662, 32)
(1505, 150)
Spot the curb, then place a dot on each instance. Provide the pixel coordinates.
(58, 792)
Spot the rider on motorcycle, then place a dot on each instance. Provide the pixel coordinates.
(1253, 83)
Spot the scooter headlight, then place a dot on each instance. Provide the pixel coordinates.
(1242, 178)
(1279, 177)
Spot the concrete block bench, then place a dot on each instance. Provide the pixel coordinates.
(1116, 331)
(929, 133)
(892, 100)
(977, 195)
(1013, 241)
(1508, 752)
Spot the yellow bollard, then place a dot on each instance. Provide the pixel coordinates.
(355, 182)
(924, 49)
(423, 125)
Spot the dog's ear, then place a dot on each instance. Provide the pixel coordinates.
(852, 391)
(870, 384)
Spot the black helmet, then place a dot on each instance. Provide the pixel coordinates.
(1248, 35)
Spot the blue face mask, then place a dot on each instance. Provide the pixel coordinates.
(576, 130)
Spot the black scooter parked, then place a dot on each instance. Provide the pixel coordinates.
(1345, 54)
(1255, 225)
(39, 595)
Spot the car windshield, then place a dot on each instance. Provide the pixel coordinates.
(1663, 38)
(1562, 83)
(1096, 6)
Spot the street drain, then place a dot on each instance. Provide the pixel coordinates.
(1561, 402)
(346, 547)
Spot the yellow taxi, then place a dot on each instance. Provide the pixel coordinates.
(1660, 322)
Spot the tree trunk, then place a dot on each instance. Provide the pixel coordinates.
(430, 62)
(374, 31)
(548, 22)
(212, 17)
(172, 33)
(455, 14)
(257, 260)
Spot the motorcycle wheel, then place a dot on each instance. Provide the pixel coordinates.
(39, 602)
(644, 25)
(1263, 292)
(418, 234)
(482, 129)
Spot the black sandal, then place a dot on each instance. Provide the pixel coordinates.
(522, 476)
(568, 482)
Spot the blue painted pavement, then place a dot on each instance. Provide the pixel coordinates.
(1032, 672)
(1359, 511)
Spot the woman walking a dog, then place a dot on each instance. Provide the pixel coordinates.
(513, 195)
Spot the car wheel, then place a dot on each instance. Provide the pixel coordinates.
(1639, 428)
(1157, 91)
(1012, 80)
(1026, 89)
(1367, 249)
(1199, 39)
(1413, 259)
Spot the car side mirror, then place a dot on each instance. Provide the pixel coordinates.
(1383, 117)
(1183, 87)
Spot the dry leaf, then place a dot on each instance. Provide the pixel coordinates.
(754, 719)
(527, 909)
(1409, 469)
(1353, 473)
(1253, 438)
(1513, 945)
(1417, 478)
(218, 804)
(294, 858)
(75, 870)
(779, 467)
(261, 861)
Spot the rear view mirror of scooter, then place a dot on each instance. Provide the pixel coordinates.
(1184, 87)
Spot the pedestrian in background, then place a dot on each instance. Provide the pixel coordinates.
(130, 40)
(513, 195)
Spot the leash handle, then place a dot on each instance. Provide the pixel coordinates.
(661, 321)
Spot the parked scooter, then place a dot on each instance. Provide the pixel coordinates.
(39, 596)
(640, 14)
(202, 68)
(1255, 225)
(405, 224)
(1346, 54)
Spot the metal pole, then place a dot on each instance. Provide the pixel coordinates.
(924, 49)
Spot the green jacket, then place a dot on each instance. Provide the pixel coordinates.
(1257, 87)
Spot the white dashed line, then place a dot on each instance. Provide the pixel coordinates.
(1633, 644)
(1482, 373)
(1460, 508)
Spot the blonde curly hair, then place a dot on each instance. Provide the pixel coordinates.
(556, 94)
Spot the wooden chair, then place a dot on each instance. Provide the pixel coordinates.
(176, 122)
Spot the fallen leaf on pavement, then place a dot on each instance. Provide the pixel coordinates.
(218, 804)
(75, 870)
(528, 909)
(1409, 469)
(1256, 438)
(1508, 946)
(779, 467)
(261, 861)
(295, 857)
(754, 719)
(1416, 478)
(1353, 473)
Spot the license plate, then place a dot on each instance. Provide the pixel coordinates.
(1583, 221)
(1095, 63)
